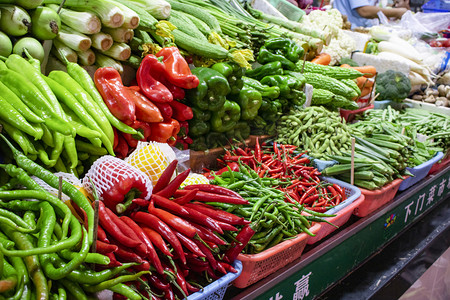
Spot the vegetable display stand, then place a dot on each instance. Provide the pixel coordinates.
(208, 159)
(258, 266)
(343, 211)
(349, 115)
(377, 198)
(216, 290)
(420, 172)
(441, 165)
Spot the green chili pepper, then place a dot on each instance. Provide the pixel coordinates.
(20, 138)
(90, 277)
(126, 291)
(74, 289)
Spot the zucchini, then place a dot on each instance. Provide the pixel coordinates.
(333, 85)
(321, 96)
(201, 26)
(334, 72)
(185, 25)
(199, 47)
(197, 12)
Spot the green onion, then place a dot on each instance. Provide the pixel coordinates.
(62, 52)
(86, 58)
(101, 41)
(120, 35)
(73, 39)
(84, 22)
(118, 51)
(103, 61)
(159, 9)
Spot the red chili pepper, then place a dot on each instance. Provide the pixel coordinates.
(113, 229)
(161, 132)
(113, 262)
(237, 158)
(152, 89)
(121, 150)
(146, 111)
(209, 256)
(170, 189)
(101, 235)
(218, 214)
(310, 199)
(189, 244)
(207, 234)
(143, 127)
(228, 267)
(165, 177)
(158, 282)
(184, 128)
(181, 111)
(156, 224)
(157, 240)
(215, 189)
(141, 202)
(165, 110)
(191, 288)
(198, 217)
(209, 197)
(173, 221)
(169, 205)
(103, 248)
(140, 248)
(181, 281)
(152, 255)
(333, 192)
(241, 240)
(177, 69)
(115, 95)
(186, 196)
(340, 190)
(319, 209)
(127, 255)
(116, 139)
(177, 92)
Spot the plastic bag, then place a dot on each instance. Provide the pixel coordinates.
(425, 24)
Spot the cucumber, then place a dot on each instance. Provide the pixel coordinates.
(202, 26)
(185, 25)
(199, 47)
(333, 85)
(199, 13)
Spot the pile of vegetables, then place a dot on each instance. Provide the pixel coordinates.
(316, 130)
(392, 85)
(20, 18)
(433, 125)
(174, 242)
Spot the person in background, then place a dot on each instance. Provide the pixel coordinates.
(363, 13)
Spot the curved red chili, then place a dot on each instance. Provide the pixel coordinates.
(173, 221)
(165, 177)
(210, 188)
(169, 205)
(217, 214)
(157, 240)
(170, 189)
(184, 196)
(189, 244)
(210, 197)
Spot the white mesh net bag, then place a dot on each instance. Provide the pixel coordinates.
(152, 158)
(66, 177)
(195, 178)
(109, 173)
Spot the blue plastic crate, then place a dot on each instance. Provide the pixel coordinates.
(216, 290)
(351, 191)
(420, 172)
(436, 6)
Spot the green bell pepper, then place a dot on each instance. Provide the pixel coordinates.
(257, 125)
(272, 68)
(240, 131)
(271, 92)
(270, 111)
(286, 83)
(226, 118)
(296, 75)
(198, 144)
(250, 101)
(198, 128)
(216, 139)
(287, 47)
(211, 91)
(265, 56)
(233, 72)
(201, 115)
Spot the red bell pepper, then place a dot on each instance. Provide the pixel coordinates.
(116, 96)
(181, 111)
(165, 109)
(116, 139)
(146, 111)
(184, 129)
(122, 148)
(177, 69)
(165, 132)
(152, 88)
(142, 127)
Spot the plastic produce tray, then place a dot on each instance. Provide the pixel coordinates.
(349, 115)
(258, 266)
(441, 165)
(377, 198)
(420, 172)
(216, 290)
(343, 211)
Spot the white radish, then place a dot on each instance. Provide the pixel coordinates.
(412, 65)
(398, 49)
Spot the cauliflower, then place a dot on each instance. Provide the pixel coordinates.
(326, 20)
(340, 47)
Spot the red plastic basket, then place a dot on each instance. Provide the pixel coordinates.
(258, 266)
(340, 219)
(349, 115)
(440, 165)
(377, 198)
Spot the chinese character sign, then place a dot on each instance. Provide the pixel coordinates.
(302, 287)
